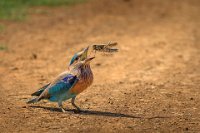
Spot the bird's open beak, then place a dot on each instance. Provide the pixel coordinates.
(89, 59)
(84, 54)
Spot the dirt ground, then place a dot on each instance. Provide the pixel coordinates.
(151, 85)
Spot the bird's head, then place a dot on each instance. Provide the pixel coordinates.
(80, 56)
(78, 67)
(82, 63)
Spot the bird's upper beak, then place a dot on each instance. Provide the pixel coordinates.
(84, 53)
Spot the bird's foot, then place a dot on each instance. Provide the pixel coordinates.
(66, 111)
(78, 110)
(63, 110)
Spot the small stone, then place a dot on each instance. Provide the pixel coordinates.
(129, 127)
(14, 68)
(98, 64)
(34, 56)
(121, 82)
(86, 100)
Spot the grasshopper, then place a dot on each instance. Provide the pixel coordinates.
(106, 48)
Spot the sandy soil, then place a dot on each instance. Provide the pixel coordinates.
(151, 85)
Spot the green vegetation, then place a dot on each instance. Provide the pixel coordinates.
(17, 9)
(3, 47)
(2, 28)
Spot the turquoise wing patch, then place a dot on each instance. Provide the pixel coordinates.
(60, 89)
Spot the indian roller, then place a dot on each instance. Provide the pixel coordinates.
(81, 55)
(68, 84)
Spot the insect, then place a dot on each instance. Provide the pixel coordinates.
(105, 47)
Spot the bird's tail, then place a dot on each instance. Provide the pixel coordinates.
(39, 92)
(33, 100)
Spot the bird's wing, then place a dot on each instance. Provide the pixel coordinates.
(63, 84)
(60, 85)
(41, 90)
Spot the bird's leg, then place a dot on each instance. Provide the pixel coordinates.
(60, 105)
(73, 103)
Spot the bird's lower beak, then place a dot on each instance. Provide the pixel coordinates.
(89, 59)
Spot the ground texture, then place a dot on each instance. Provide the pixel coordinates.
(151, 85)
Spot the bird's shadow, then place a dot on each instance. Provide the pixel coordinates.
(89, 112)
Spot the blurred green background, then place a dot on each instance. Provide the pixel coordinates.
(17, 9)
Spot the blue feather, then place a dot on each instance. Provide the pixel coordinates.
(59, 91)
(73, 59)
(69, 78)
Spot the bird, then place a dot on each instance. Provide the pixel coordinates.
(68, 84)
(81, 55)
